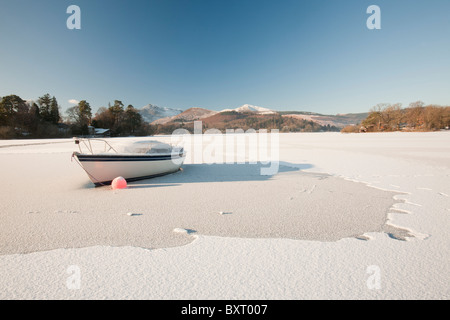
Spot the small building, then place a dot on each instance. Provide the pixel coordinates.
(63, 128)
(98, 132)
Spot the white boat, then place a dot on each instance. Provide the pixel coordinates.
(136, 161)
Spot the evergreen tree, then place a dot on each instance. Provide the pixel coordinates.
(116, 109)
(132, 120)
(34, 111)
(5, 111)
(117, 112)
(54, 111)
(44, 103)
(85, 112)
(80, 117)
(11, 108)
(34, 117)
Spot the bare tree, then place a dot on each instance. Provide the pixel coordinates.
(414, 114)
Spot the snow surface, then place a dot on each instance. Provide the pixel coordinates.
(415, 167)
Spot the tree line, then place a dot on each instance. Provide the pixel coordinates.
(42, 119)
(122, 121)
(392, 117)
(20, 118)
(119, 120)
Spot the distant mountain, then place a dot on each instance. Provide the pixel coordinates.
(245, 115)
(151, 113)
(190, 114)
(248, 108)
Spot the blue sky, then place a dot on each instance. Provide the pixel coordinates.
(285, 55)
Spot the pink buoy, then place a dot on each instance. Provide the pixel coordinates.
(119, 183)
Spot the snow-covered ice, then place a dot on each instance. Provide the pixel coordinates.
(402, 178)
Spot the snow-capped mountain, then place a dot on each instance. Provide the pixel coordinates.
(248, 108)
(151, 113)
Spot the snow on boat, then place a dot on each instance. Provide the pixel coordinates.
(136, 161)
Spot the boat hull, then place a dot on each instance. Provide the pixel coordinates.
(102, 169)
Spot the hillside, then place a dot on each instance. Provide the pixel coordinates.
(340, 120)
(245, 121)
(188, 115)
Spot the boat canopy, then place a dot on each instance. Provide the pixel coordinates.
(101, 146)
(147, 147)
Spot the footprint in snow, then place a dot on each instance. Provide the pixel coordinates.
(65, 211)
(131, 214)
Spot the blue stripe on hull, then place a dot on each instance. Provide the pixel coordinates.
(91, 158)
